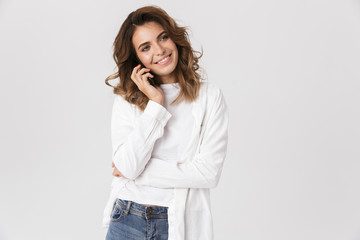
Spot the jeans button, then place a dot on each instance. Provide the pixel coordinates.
(148, 211)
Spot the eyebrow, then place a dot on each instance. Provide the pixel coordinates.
(149, 42)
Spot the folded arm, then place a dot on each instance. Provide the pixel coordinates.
(133, 142)
(204, 170)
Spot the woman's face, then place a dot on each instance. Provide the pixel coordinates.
(156, 50)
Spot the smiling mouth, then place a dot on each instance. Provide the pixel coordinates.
(164, 59)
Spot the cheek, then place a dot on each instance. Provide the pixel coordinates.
(176, 53)
(174, 48)
(145, 59)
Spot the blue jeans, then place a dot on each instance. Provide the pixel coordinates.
(133, 221)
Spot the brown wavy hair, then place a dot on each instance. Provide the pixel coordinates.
(126, 58)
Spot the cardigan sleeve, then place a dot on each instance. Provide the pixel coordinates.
(133, 140)
(204, 170)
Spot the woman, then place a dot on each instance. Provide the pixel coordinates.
(169, 134)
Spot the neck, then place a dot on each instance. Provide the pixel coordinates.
(168, 79)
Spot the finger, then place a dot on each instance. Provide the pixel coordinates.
(142, 76)
(145, 76)
(133, 77)
(116, 170)
(134, 71)
(142, 71)
(116, 173)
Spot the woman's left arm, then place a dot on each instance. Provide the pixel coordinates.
(204, 170)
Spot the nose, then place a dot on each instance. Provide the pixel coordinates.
(159, 50)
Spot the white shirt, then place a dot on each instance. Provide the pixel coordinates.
(134, 134)
(168, 147)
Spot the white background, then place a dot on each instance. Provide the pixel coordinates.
(290, 74)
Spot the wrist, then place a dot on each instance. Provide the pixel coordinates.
(159, 101)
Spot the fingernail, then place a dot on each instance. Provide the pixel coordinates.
(138, 65)
(148, 68)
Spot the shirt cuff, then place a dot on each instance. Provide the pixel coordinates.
(158, 112)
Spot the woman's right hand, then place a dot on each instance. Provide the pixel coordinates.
(139, 76)
(116, 172)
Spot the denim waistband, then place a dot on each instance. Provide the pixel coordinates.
(142, 210)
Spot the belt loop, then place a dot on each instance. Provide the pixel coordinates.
(126, 212)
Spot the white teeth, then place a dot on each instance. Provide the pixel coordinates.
(163, 60)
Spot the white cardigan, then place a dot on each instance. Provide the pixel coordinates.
(133, 137)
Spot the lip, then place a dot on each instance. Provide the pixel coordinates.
(163, 63)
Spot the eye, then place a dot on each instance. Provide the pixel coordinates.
(164, 37)
(145, 48)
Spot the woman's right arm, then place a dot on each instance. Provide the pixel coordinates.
(133, 139)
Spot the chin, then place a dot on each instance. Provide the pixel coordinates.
(166, 71)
